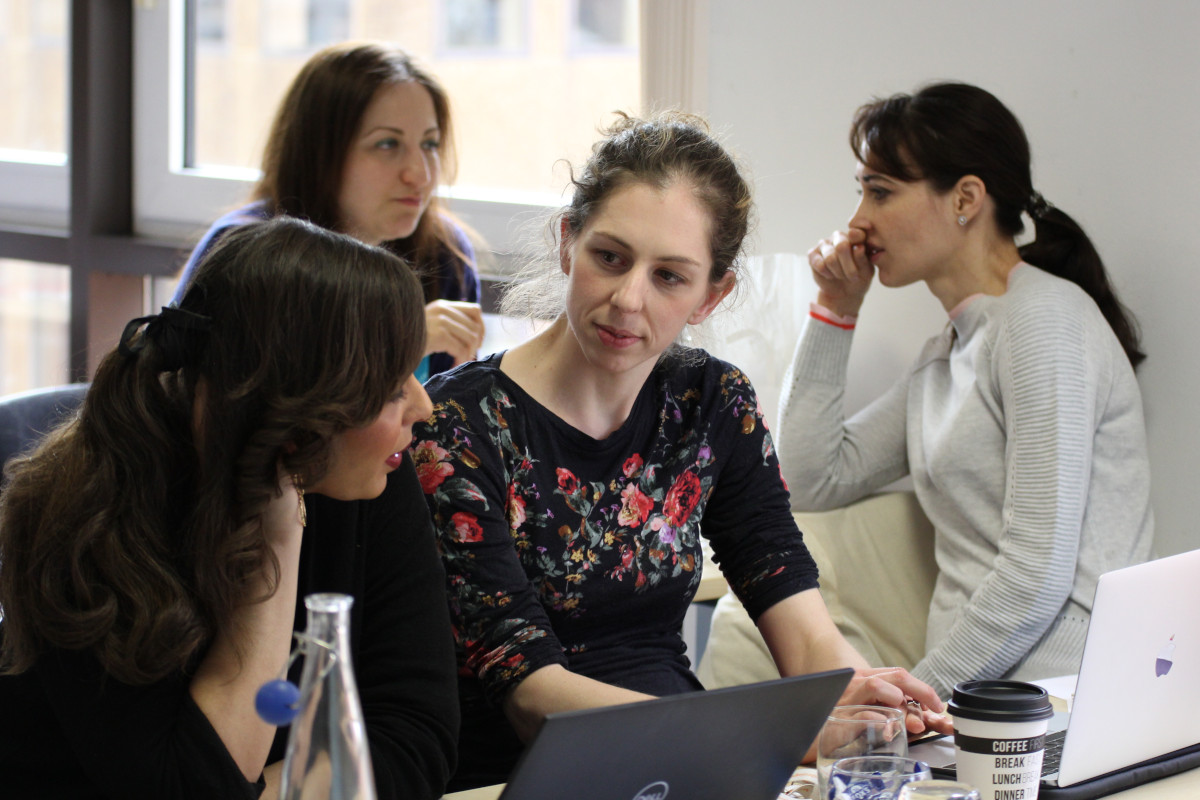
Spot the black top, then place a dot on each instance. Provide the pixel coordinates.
(564, 549)
(67, 731)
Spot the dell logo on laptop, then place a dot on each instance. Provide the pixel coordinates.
(655, 791)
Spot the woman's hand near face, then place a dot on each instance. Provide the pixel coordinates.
(842, 271)
(454, 327)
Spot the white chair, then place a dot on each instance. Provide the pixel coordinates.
(877, 576)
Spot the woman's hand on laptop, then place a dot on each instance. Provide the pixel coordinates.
(895, 687)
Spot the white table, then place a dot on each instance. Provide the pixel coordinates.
(1184, 786)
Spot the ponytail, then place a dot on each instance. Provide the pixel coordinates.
(1062, 248)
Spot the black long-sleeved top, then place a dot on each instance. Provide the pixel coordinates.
(69, 731)
(564, 549)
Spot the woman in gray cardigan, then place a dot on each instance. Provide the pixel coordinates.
(1020, 424)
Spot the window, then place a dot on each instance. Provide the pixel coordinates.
(209, 21)
(604, 25)
(33, 128)
(289, 26)
(115, 271)
(328, 21)
(35, 302)
(482, 26)
(535, 99)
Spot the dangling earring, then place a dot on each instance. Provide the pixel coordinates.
(302, 510)
(962, 219)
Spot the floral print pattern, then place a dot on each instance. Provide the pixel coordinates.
(555, 543)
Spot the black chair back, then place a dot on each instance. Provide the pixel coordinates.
(26, 417)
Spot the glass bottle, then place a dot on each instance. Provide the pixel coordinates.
(327, 754)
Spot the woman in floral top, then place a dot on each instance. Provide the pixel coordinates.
(571, 477)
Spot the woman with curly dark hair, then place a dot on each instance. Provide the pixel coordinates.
(235, 453)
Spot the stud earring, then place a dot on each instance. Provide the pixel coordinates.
(962, 219)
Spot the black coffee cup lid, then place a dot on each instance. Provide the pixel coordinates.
(1000, 701)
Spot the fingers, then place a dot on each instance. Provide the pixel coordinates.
(454, 327)
(895, 687)
(842, 270)
(841, 257)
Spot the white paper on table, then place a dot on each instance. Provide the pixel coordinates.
(1062, 687)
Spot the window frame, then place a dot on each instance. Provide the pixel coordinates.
(183, 198)
(92, 227)
(34, 185)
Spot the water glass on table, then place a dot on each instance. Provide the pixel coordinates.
(938, 790)
(851, 731)
(873, 777)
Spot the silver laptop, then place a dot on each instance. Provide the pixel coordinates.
(1134, 714)
(739, 743)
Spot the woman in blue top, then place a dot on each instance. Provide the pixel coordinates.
(572, 477)
(358, 146)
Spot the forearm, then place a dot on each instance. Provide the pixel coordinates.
(248, 651)
(554, 688)
(1011, 610)
(827, 460)
(802, 637)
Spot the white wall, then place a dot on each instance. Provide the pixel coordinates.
(1108, 93)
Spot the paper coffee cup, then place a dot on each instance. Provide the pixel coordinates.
(1000, 736)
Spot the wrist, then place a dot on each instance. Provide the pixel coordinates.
(831, 317)
(840, 304)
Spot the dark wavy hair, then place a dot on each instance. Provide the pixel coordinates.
(134, 530)
(669, 147)
(948, 130)
(311, 136)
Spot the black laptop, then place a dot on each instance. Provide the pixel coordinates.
(739, 743)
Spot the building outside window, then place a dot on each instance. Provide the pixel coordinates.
(604, 25)
(531, 83)
(34, 298)
(524, 93)
(35, 301)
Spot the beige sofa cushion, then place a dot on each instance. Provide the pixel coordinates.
(877, 575)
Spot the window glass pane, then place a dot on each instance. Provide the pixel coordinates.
(210, 22)
(35, 303)
(33, 79)
(482, 26)
(605, 24)
(525, 93)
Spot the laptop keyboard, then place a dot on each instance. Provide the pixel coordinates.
(1053, 754)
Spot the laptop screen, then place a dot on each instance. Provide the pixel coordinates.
(741, 741)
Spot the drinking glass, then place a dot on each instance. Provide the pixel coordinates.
(858, 731)
(938, 790)
(873, 777)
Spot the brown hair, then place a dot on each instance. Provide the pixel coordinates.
(312, 133)
(669, 147)
(134, 530)
(948, 130)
